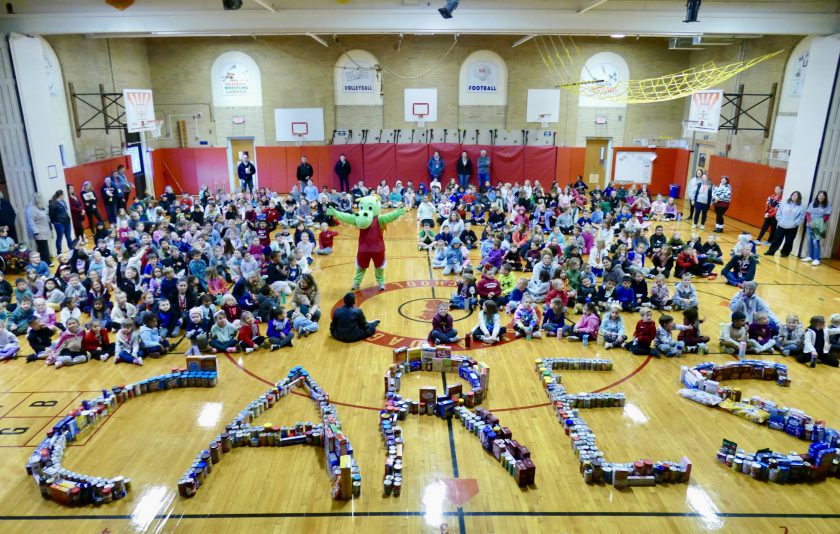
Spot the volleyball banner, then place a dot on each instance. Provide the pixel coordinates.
(139, 110)
(704, 115)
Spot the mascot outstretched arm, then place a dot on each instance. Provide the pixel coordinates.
(371, 241)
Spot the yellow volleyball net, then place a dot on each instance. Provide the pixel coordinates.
(563, 62)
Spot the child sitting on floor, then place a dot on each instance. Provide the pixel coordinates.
(68, 348)
(664, 341)
(9, 345)
(643, 334)
(198, 332)
(791, 335)
(554, 317)
(96, 341)
(761, 334)
(249, 334)
(685, 295)
(222, 334)
(817, 347)
(127, 344)
(442, 331)
(733, 333)
(586, 329)
(612, 328)
(525, 318)
(280, 330)
(151, 343)
(690, 334)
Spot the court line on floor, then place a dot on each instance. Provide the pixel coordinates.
(263, 380)
(374, 408)
(462, 528)
(501, 513)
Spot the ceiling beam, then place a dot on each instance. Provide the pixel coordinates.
(424, 21)
(266, 5)
(593, 5)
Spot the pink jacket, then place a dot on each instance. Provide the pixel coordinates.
(589, 323)
(47, 318)
(70, 341)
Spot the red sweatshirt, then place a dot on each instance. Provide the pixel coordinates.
(645, 332)
(247, 333)
(91, 342)
(488, 285)
(325, 238)
(557, 294)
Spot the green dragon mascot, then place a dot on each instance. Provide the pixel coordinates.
(371, 241)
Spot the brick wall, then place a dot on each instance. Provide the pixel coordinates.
(297, 72)
(748, 146)
(86, 63)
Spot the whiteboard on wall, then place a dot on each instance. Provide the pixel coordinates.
(633, 167)
(306, 121)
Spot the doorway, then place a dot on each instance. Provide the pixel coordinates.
(236, 147)
(596, 161)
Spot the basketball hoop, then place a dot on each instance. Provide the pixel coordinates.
(299, 131)
(420, 110)
(544, 120)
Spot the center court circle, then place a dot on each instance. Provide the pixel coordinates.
(422, 310)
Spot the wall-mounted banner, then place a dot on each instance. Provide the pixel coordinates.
(704, 115)
(482, 80)
(483, 77)
(236, 81)
(358, 78)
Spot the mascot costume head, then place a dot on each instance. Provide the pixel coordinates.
(370, 221)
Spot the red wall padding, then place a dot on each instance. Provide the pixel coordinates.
(539, 164)
(508, 163)
(186, 169)
(412, 163)
(95, 173)
(569, 164)
(271, 168)
(751, 184)
(380, 162)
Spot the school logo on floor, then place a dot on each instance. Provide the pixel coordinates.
(422, 301)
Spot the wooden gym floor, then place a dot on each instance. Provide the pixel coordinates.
(153, 439)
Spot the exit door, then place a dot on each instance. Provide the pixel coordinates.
(236, 147)
(595, 161)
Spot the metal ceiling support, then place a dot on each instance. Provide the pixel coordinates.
(109, 107)
(740, 105)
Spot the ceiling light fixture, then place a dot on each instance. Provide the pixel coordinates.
(692, 9)
(618, 36)
(231, 5)
(446, 11)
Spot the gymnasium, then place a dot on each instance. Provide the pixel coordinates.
(419, 266)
